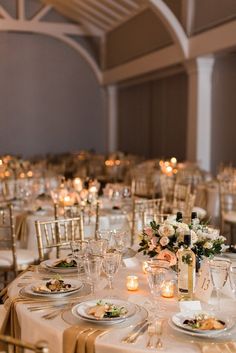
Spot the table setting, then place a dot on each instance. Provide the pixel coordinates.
(147, 317)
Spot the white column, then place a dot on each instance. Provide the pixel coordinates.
(199, 110)
(112, 111)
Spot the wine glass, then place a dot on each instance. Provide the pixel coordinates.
(157, 271)
(93, 266)
(120, 239)
(219, 271)
(232, 276)
(97, 247)
(110, 266)
(79, 252)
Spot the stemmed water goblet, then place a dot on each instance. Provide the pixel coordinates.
(93, 266)
(97, 246)
(219, 271)
(157, 271)
(232, 276)
(110, 266)
(79, 253)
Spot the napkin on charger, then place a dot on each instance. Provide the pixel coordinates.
(81, 338)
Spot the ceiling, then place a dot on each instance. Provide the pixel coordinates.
(98, 16)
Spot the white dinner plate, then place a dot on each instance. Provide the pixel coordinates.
(81, 310)
(179, 318)
(50, 265)
(32, 289)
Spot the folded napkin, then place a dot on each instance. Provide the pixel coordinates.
(81, 339)
(10, 325)
(21, 228)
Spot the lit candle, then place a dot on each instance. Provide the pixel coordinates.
(78, 184)
(67, 201)
(132, 282)
(167, 289)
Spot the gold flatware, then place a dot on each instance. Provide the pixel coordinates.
(137, 327)
(151, 330)
(133, 338)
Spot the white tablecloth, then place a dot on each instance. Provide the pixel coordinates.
(34, 328)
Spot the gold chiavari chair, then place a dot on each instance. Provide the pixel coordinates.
(12, 259)
(57, 234)
(184, 200)
(9, 344)
(85, 213)
(181, 193)
(142, 211)
(167, 190)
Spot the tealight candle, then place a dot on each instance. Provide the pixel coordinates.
(167, 289)
(132, 282)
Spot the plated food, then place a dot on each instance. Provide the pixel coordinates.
(204, 322)
(105, 311)
(207, 324)
(63, 265)
(55, 287)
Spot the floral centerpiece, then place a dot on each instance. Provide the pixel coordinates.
(163, 240)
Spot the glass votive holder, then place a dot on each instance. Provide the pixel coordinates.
(144, 266)
(168, 289)
(132, 283)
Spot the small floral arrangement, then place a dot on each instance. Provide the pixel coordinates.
(163, 240)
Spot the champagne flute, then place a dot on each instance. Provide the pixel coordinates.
(110, 266)
(219, 271)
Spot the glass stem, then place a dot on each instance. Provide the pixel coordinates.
(110, 282)
(218, 299)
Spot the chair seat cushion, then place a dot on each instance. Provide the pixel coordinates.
(230, 217)
(24, 257)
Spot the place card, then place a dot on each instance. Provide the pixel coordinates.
(204, 286)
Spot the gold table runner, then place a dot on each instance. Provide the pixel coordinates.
(81, 339)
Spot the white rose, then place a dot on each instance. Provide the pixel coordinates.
(194, 237)
(166, 230)
(183, 228)
(208, 245)
(164, 241)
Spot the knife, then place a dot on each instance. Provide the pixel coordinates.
(137, 331)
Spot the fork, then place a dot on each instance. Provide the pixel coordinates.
(151, 330)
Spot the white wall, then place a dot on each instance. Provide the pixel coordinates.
(50, 100)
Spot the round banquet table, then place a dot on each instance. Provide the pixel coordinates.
(34, 327)
(108, 219)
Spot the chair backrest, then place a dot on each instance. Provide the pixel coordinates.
(183, 200)
(8, 343)
(83, 212)
(7, 232)
(181, 193)
(142, 210)
(167, 189)
(56, 234)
